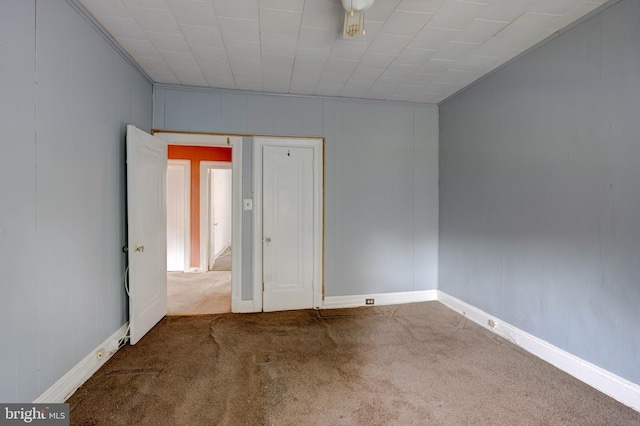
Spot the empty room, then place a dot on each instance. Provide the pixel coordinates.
(431, 211)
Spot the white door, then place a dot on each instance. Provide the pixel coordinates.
(146, 198)
(221, 211)
(290, 202)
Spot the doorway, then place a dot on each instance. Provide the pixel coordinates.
(202, 282)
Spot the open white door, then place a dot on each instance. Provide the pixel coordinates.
(147, 231)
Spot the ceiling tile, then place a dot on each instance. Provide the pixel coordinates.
(147, 4)
(479, 31)
(405, 23)
(179, 59)
(386, 44)
(190, 12)
(399, 71)
(295, 5)
(155, 20)
(380, 10)
(240, 9)
(326, 15)
(138, 47)
(209, 54)
(347, 50)
(423, 6)
(277, 62)
(432, 38)
(239, 29)
(436, 66)
(340, 66)
(413, 56)
(531, 26)
(454, 51)
(202, 36)
(455, 14)
(168, 42)
(306, 72)
(274, 21)
(316, 38)
(553, 7)
(315, 57)
(123, 27)
(368, 75)
(243, 49)
(252, 66)
(278, 44)
(505, 10)
(376, 61)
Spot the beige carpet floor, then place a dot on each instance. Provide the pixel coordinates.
(201, 293)
(414, 364)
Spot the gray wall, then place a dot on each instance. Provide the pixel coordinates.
(540, 192)
(381, 176)
(63, 112)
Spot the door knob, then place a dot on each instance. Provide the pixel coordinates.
(140, 248)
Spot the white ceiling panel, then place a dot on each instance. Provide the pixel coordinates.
(413, 50)
(275, 21)
(155, 20)
(239, 29)
(202, 36)
(278, 44)
(190, 12)
(405, 23)
(241, 9)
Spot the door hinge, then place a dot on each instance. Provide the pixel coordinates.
(263, 287)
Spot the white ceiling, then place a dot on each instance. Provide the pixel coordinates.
(414, 50)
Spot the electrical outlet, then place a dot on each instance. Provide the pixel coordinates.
(100, 353)
(493, 323)
(369, 301)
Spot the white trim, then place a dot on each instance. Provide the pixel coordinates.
(318, 209)
(205, 200)
(61, 390)
(606, 382)
(235, 142)
(242, 306)
(333, 302)
(186, 167)
(236, 226)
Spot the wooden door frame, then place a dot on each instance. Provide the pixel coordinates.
(317, 144)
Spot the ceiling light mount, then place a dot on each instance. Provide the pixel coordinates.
(354, 17)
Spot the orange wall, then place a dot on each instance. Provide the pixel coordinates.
(196, 154)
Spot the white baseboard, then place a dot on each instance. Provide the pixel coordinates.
(606, 382)
(242, 306)
(61, 390)
(333, 302)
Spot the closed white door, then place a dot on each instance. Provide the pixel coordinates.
(287, 227)
(147, 230)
